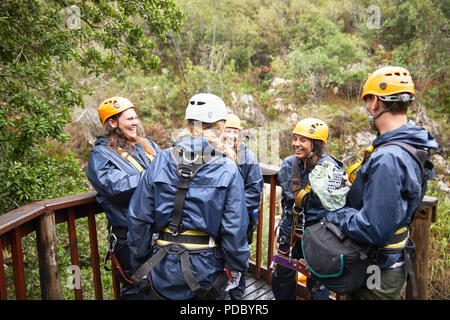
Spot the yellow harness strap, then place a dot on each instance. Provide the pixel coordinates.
(133, 161)
(211, 243)
(127, 156)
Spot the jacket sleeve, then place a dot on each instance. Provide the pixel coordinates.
(234, 225)
(284, 179)
(385, 205)
(253, 183)
(108, 178)
(141, 219)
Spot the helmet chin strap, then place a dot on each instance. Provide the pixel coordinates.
(373, 118)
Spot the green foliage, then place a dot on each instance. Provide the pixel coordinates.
(36, 95)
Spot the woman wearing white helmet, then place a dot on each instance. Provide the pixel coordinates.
(193, 197)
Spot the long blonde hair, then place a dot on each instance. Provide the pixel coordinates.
(211, 132)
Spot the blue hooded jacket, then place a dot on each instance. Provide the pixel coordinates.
(215, 204)
(313, 208)
(391, 191)
(253, 181)
(115, 178)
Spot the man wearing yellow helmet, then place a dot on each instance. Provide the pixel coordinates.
(301, 207)
(390, 184)
(116, 165)
(253, 183)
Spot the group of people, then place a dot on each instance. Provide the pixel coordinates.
(181, 219)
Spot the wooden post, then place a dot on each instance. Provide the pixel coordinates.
(272, 204)
(420, 234)
(47, 255)
(18, 266)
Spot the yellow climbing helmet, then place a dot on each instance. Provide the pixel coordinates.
(312, 128)
(388, 81)
(233, 121)
(113, 106)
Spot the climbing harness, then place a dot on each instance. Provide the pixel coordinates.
(174, 239)
(301, 196)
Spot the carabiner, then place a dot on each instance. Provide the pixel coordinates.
(112, 246)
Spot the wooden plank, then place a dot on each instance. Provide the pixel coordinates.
(268, 170)
(262, 293)
(95, 258)
(249, 280)
(20, 216)
(3, 292)
(259, 231)
(70, 201)
(18, 267)
(73, 245)
(272, 204)
(268, 296)
(258, 293)
(254, 286)
(47, 255)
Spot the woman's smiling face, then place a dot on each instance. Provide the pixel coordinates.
(128, 122)
(302, 146)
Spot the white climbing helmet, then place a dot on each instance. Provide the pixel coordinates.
(206, 107)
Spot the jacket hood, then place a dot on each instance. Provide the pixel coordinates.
(101, 140)
(408, 133)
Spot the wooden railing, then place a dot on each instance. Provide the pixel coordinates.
(42, 218)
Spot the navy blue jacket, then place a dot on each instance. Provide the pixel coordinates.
(115, 178)
(391, 191)
(313, 208)
(253, 181)
(215, 204)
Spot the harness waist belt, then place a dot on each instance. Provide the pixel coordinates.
(120, 232)
(191, 239)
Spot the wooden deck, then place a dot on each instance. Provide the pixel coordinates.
(257, 289)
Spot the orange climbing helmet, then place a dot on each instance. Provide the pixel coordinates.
(389, 81)
(112, 106)
(312, 128)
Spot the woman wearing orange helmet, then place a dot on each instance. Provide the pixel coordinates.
(116, 164)
(301, 208)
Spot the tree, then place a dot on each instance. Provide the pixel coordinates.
(40, 42)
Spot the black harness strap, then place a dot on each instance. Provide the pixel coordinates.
(187, 169)
(143, 271)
